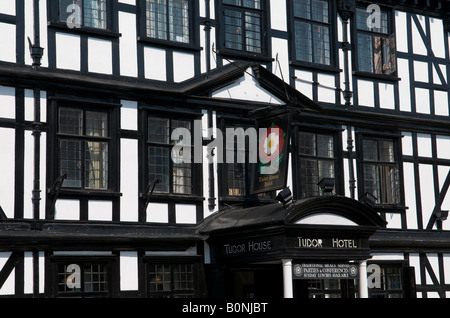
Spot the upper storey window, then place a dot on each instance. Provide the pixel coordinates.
(312, 30)
(85, 13)
(242, 24)
(169, 20)
(376, 42)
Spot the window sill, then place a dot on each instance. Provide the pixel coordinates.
(227, 53)
(167, 197)
(372, 76)
(316, 67)
(65, 192)
(171, 44)
(85, 30)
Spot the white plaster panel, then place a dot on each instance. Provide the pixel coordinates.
(8, 52)
(7, 168)
(183, 66)
(422, 100)
(155, 63)
(400, 28)
(387, 100)
(7, 102)
(129, 202)
(8, 7)
(100, 56)
(407, 147)
(394, 220)
(443, 147)
(365, 93)
(436, 79)
(28, 175)
(418, 44)
(326, 91)
(410, 195)
(129, 271)
(100, 210)
(404, 85)
(68, 51)
(28, 273)
(128, 45)
(278, 17)
(441, 103)
(67, 209)
(8, 287)
(158, 212)
(426, 191)
(185, 213)
(131, 2)
(424, 145)
(437, 37)
(281, 67)
(128, 115)
(421, 71)
(303, 83)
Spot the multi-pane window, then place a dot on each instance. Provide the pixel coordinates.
(164, 162)
(171, 280)
(83, 148)
(312, 31)
(242, 25)
(390, 283)
(316, 161)
(238, 173)
(168, 20)
(381, 173)
(83, 280)
(376, 42)
(88, 13)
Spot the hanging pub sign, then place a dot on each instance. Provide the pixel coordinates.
(270, 171)
(325, 271)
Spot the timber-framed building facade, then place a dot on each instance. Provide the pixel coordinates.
(93, 204)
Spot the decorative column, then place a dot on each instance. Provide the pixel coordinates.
(287, 278)
(363, 288)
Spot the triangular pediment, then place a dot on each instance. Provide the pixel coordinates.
(244, 81)
(247, 88)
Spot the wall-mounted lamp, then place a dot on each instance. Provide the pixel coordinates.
(369, 199)
(326, 185)
(285, 197)
(440, 216)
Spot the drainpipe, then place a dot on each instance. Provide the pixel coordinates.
(36, 54)
(207, 29)
(346, 9)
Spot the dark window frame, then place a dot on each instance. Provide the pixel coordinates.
(111, 21)
(398, 201)
(196, 194)
(264, 55)
(113, 111)
(225, 197)
(194, 35)
(197, 279)
(337, 157)
(109, 261)
(407, 281)
(332, 38)
(389, 34)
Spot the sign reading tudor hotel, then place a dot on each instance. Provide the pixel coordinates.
(327, 243)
